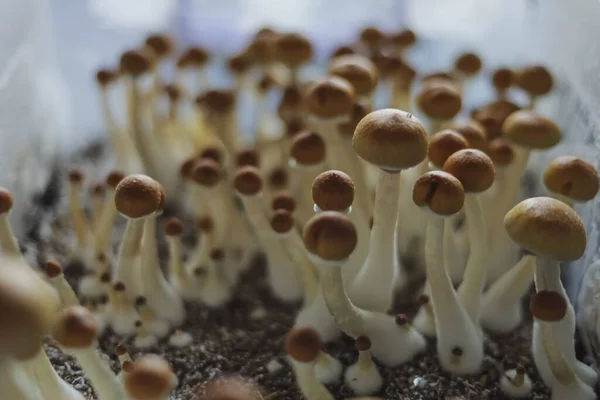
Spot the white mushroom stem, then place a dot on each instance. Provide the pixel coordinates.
(501, 309)
(328, 369)
(304, 177)
(51, 385)
(65, 291)
(424, 321)
(215, 289)
(454, 327)
(363, 377)
(127, 265)
(283, 276)
(134, 119)
(456, 249)
(515, 385)
(16, 383)
(547, 277)
(391, 344)
(80, 223)
(123, 315)
(179, 277)
(470, 291)
(162, 297)
(8, 242)
(294, 248)
(317, 315)
(98, 204)
(308, 383)
(105, 223)
(180, 339)
(105, 383)
(119, 145)
(373, 285)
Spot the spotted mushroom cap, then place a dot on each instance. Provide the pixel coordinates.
(547, 228)
(529, 129)
(333, 191)
(331, 97)
(391, 139)
(440, 191)
(572, 177)
(138, 195)
(150, 378)
(330, 235)
(473, 168)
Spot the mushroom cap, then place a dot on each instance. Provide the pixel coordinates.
(218, 101)
(293, 49)
(121, 349)
(229, 388)
(501, 152)
(342, 51)
(441, 192)
(28, 309)
(262, 48)
(443, 144)
(136, 62)
(150, 378)
(473, 131)
(161, 44)
(75, 176)
(53, 269)
(333, 191)
(240, 63)
(439, 100)
(303, 344)
(6, 200)
(265, 83)
(358, 70)
(548, 306)
(173, 91)
(294, 126)
(247, 157)
(308, 148)
(404, 38)
(528, 129)
(194, 56)
(173, 227)
(493, 115)
(114, 178)
(291, 102)
(572, 177)
(331, 97)
(330, 235)
(247, 181)
(283, 201)
(76, 328)
(362, 343)
(371, 36)
(205, 224)
(106, 76)
(206, 172)
(390, 139)
(548, 228)
(468, 63)
(503, 78)
(138, 195)
(278, 178)
(358, 112)
(438, 77)
(213, 152)
(473, 168)
(535, 80)
(186, 167)
(282, 221)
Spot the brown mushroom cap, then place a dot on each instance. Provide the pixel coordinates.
(262, 48)
(441, 192)
(548, 306)
(173, 91)
(247, 157)
(473, 168)
(138, 195)
(6, 200)
(308, 148)
(362, 343)
(28, 309)
(358, 70)
(114, 178)
(493, 115)
(135, 62)
(194, 56)
(331, 97)
(333, 191)
(206, 172)
(161, 44)
(283, 201)
(247, 181)
(291, 103)
(503, 78)
(443, 144)
(76, 328)
(330, 235)
(548, 228)
(473, 131)
(282, 221)
(229, 388)
(535, 80)
(390, 139)
(218, 101)
(528, 129)
(405, 38)
(293, 49)
(173, 227)
(53, 269)
(240, 63)
(303, 344)
(439, 100)
(572, 177)
(278, 178)
(75, 176)
(205, 224)
(371, 36)
(358, 112)
(468, 63)
(342, 51)
(501, 152)
(150, 378)
(213, 152)
(105, 76)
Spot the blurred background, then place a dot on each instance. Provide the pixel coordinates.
(52, 48)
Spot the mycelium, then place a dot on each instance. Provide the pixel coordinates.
(303, 346)
(363, 377)
(459, 342)
(215, 290)
(76, 332)
(150, 378)
(391, 140)
(553, 232)
(123, 314)
(8, 242)
(331, 238)
(550, 308)
(180, 339)
(571, 180)
(282, 275)
(328, 369)
(158, 327)
(536, 80)
(83, 250)
(143, 339)
(475, 171)
(54, 272)
(516, 384)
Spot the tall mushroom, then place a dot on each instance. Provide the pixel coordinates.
(536, 80)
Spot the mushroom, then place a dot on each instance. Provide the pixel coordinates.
(8, 242)
(239, 65)
(331, 238)
(194, 59)
(51, 385)
(158, 327)
(328, 369)
(475, 171)
(550, 308)
(220, 108)
(536, 80)
(553, 232)
(303, 346)
(459, 342)
(150, 378)
(360, 72)
(293, 50)
(282, 275)
(81, 226)
(143, 339)
(109, 212)
(122, 315)
(571, 179)
(503, 79)
(162, 47)
(363, 377)
(467, 65)
(373, 39)
(54, 271)
(403, 40)
(97, 192)
(440, 101)
(77, 333)
(516, 384)
(391, 140)
(178, 274)
(180, 339)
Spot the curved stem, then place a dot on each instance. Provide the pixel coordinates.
(8, 242)
(105, 223)
(16, 382)
(104, 382)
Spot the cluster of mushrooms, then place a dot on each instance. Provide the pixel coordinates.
(337, 196)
